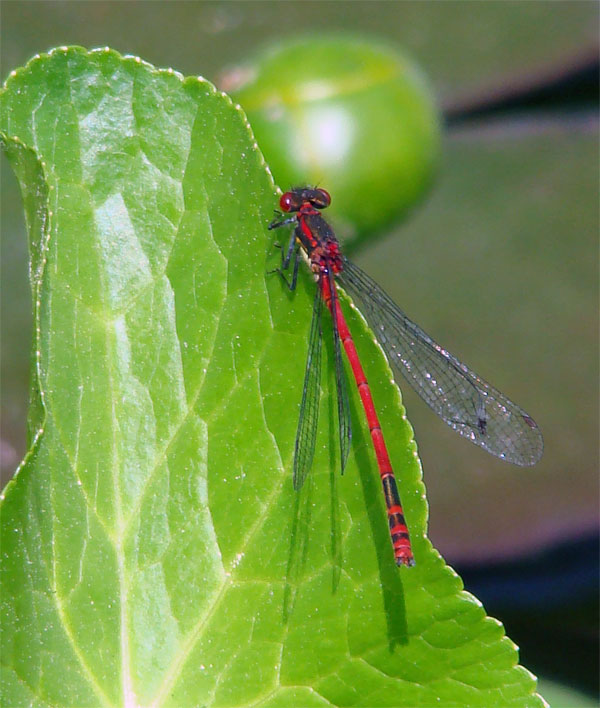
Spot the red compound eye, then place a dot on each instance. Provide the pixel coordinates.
(287, 201)
(322, 198)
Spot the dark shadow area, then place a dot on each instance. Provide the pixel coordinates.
(391, 580)
(299, 539)
(548, 603)
(575, 86)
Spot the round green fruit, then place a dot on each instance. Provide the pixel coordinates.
(353, 116)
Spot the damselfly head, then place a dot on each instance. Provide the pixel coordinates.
(295, 198)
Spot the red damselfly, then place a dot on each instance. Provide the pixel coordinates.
(468, 404)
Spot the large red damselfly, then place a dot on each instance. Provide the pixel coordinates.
(468, 404)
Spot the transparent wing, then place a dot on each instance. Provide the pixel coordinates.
(466, 402)
(306, 434)
(345, 426)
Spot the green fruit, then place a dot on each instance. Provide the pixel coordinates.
(353, 116)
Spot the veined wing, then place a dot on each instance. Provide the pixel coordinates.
(467, 403)
(306, 433)
(343, 404)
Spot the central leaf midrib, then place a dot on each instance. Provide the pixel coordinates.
(173, 673)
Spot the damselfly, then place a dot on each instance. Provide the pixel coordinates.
(467, 403)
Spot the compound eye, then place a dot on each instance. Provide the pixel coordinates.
(322, 198)
(287, 202)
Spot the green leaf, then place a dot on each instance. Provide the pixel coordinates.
(154, 551)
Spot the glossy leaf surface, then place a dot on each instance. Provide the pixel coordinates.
(153, 549)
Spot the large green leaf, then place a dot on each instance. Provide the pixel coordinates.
(154, 551)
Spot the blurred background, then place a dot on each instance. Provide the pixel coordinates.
(499, 262)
